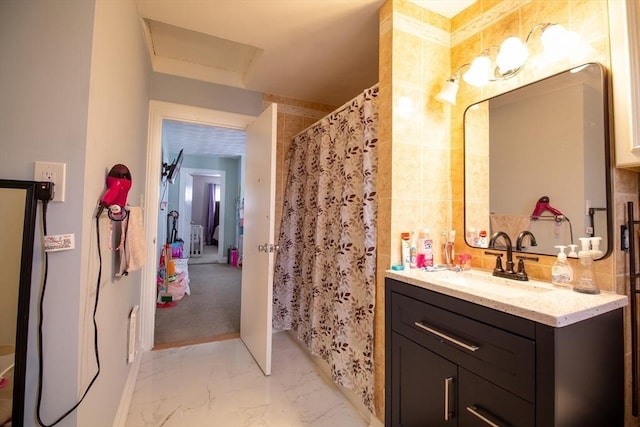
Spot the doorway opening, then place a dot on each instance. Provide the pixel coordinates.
(160, 111)
(211, 309)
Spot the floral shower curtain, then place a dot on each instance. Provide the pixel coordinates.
(325, 273)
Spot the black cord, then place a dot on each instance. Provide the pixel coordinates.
(40, 322)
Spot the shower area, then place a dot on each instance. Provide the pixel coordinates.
(325, 269)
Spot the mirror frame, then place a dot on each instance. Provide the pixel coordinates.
(608, 138)
(24, 294)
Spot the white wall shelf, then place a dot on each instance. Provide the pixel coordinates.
(624, 21)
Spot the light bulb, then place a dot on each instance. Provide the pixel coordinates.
(558, 43)
(479, 72)
(512, 55)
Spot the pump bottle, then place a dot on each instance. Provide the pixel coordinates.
(586, 280)
(561, 271)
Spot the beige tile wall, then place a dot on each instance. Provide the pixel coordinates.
(414, 158)
(420, 159)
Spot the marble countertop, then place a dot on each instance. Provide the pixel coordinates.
(534, 300)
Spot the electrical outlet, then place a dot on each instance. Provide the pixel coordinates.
(52, 172)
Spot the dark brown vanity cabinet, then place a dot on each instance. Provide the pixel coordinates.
(450, 362)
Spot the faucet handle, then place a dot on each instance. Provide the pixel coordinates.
(521, 271)
(498, 266)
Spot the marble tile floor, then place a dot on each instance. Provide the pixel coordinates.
(219, 384)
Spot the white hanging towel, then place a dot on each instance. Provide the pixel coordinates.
(134, 242)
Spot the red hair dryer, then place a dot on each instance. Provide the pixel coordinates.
(542, 205)
(115, 196)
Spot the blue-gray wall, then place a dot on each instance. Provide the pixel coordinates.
(75, 83)
(74, 80)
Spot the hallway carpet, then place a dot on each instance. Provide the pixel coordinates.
(211, 312)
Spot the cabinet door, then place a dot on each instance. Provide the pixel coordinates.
(484, 404)
(423, 386)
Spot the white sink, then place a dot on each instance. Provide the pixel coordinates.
(485, 282)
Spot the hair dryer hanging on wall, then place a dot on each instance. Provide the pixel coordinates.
(115, 196)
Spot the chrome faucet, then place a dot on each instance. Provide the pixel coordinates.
(521, 237)
(509, 273)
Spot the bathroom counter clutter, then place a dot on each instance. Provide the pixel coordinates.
(533, 300)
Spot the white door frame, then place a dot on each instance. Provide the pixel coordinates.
(186, 180)
(158, 111)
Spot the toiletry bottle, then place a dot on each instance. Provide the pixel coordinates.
(421, 252)
(472, 237)
(586, 279)
(413, 251)
(595, 247)
(483, 241)
(428, 249)
(572, 251)
(406, 246)
(561, 271)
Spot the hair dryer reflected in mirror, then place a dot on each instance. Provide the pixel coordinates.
(542, 206)
(115, 196)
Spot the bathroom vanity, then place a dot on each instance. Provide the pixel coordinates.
(469, 349)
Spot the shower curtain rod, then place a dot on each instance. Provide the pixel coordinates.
(336, 111)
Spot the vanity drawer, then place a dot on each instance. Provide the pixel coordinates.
(481, 403)
(499, 356)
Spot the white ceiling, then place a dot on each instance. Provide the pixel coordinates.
(315, 50)
(202, 140)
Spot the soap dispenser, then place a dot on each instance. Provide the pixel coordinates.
(595, 247)
(561, 271)
(572, 251)
(586, 280)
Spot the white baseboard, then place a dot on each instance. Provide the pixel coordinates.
(127, 394)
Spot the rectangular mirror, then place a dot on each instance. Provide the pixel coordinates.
(18, 212)
(537, 159)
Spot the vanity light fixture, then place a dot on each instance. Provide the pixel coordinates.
(449, 90)
(510, 59)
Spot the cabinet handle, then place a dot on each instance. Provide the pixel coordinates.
(456, 341)
(448, 382)
(484, 417)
